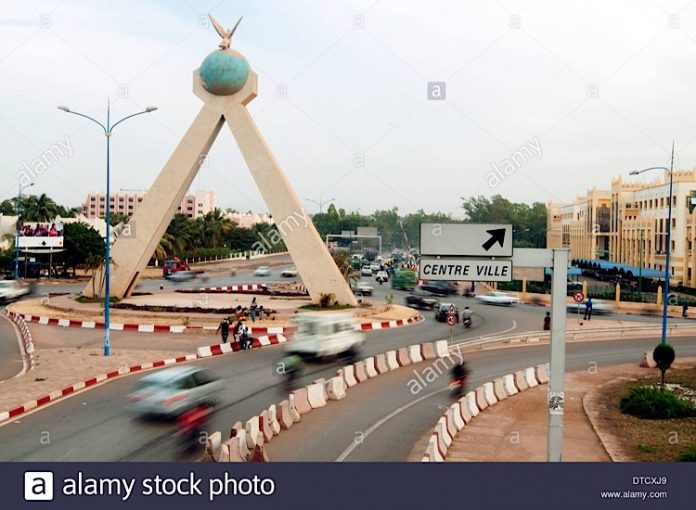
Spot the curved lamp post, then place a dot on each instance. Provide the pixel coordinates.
(665, 296)
(108, 129)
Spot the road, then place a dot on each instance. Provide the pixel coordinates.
(10, 353)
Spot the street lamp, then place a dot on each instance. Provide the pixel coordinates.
(321, 203)
(108, 130)
(669, 240)
(19, 200)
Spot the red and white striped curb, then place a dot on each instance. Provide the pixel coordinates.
(26, 337)
(177, 329)
(220, 349)
(55, 395)
(235, 288)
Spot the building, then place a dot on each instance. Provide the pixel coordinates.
(127, 202)
(628, 225)
(248, 219)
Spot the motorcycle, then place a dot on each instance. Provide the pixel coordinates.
(467, 322)
(457, 387)
(190, 426)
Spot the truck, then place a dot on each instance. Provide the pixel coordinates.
(174, 265)
(404, 279)
(323, 335)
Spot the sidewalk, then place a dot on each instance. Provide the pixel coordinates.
(514, 430)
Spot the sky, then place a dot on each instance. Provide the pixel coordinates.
(373, 103)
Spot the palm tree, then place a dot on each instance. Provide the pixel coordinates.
(41, 208)
(345, 266)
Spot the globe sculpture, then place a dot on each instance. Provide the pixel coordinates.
(224, 72)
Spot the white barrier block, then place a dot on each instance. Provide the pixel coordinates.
(471, 404)
(370, 367)
(457, 417)
(530, 377)
(213, 444)
(315, 395)
(292, 407)
(449, 423)
(441, 349)
(392, 361)
(509, 385)
(432, 451)
(64, 323)
(89, 324)
(441, 428)
(226, 348)
(252, 432)
(335, 388)
(489, 394)
(273, 422)
(175, 329)
(204, 352)
(414, 352)
(348, 373)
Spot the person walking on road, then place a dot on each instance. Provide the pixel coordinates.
(588, 309)
(547, 321)
(224, 329)
(252, 310)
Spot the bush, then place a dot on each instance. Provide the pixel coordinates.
(688, 456)
(649, 402)
(326, 300)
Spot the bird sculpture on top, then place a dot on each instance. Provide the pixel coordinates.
(225, 34)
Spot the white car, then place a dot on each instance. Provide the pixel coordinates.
(375, 267)
(362, 288)
(498, 298)
(291, 272)
(366, 271)
(181, 276)
(383, 276)
(598, 308)
(12, 290)
(322, 335)
(262, 271)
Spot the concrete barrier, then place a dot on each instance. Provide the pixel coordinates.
(530, 377)
(471, 404)
(481, 398)
(224, 455)
(315, 395)
(264, 426)
(242, 445)
(234, 450)
(292, 407)
(302, 401)
(322, 381)
(403, 357)
(520, 382)
(432, 451)
(392, 361)
(457, 419)
(212, 445)
(428, 351)
(442, 348)
(509, 385)
(499, 389)
(252, 432)
(335, 388)
(381, 364)
(348, 374)
(444, 438)
(360, 371)
(648, 361)
(370, 368)
(542, 373)
(259, 454)
(489, 394)
(464, 410)
(283, 415)
(414, 353)
(449, 422)
(273, 422)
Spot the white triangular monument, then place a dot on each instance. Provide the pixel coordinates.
(226, 84)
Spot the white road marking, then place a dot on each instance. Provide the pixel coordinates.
(381, 422)
(497, 333)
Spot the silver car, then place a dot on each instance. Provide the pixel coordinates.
(173, 391)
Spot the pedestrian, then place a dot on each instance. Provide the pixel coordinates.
(547, 322)
(252, 310)
(588, 309)
(224, 329)
(685, 310)
(246, 339)
(236, 331)
(238, 313)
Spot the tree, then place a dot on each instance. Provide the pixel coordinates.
(81, 243)
(39, 208)
(344, 263)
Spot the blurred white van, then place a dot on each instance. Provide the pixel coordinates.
(319, 335)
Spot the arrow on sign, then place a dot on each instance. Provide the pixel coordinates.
(497, 236)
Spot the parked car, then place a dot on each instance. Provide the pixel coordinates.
(262, 271)
(322, 335)
(443, 309)
(382, 276)
(12, 290)
(366, 271)
(421, 299)
(441, 288)
(363, 289)
(290, 272)
(173, 391)
(498, 298)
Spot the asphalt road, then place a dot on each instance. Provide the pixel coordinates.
(382, 418)
(10, 354)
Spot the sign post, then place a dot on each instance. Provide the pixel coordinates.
(451, 320)
(578, 297)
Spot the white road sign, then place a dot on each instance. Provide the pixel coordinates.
(465, 270)
(466, 240)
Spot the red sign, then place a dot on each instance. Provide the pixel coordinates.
(451, 319)
(578, 297)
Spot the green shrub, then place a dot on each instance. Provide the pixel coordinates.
(326, 300)
(688, 456)
(650, 403)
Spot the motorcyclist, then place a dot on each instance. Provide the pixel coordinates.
(460, 372)
(466, 316)
(292, 367)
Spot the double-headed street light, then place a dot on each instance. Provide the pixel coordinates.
(665, 297)
(108, 129)
(321, 203)
(17, 205)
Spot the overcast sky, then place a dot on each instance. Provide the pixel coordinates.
(592, 89)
